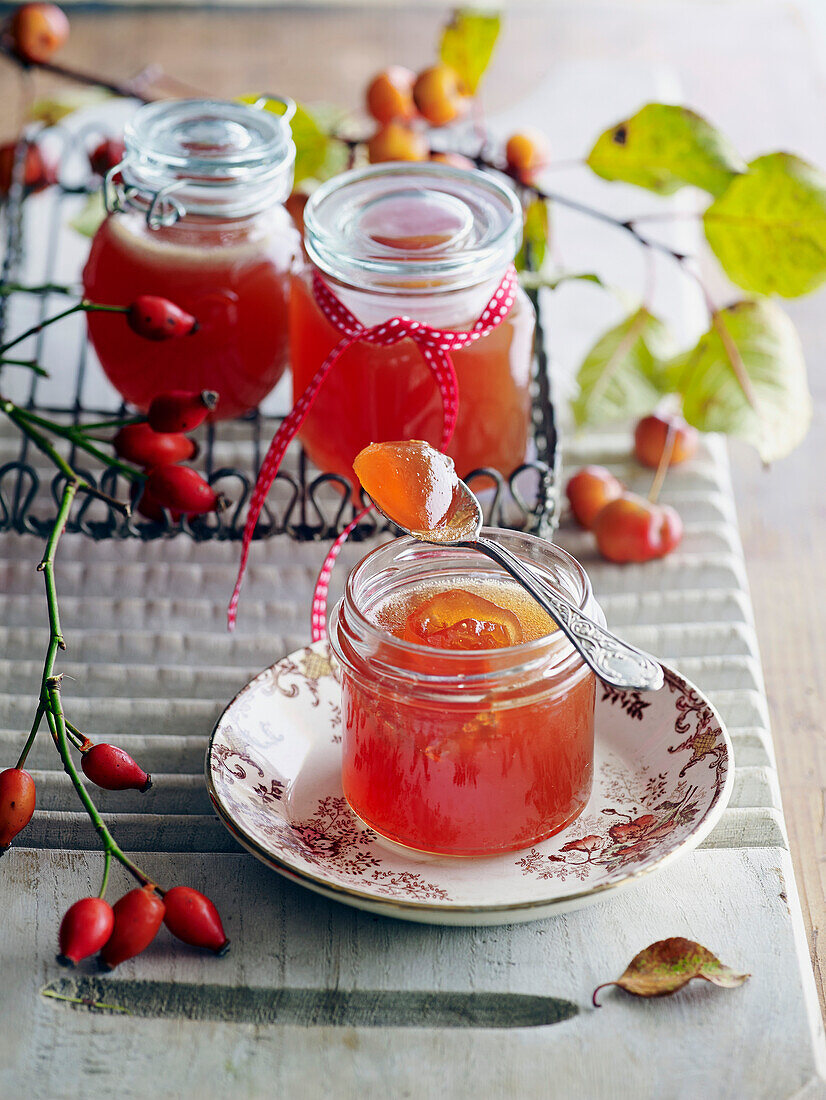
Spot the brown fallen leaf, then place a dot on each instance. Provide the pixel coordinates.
(667, 965)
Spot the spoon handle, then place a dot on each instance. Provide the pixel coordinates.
(612, 659)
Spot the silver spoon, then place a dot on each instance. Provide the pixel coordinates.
(613, 660)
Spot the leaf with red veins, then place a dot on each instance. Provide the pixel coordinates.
(667, 965)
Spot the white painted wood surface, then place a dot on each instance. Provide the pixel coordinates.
(153, 669)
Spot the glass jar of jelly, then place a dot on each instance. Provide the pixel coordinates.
(432, 243)
(463, 752)
(196, 216)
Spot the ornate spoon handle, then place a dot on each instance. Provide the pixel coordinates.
(612, 659)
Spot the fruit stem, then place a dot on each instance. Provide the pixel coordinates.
(30, 364)
(663, 464)
(40, 288)
(38, 717)
(128, 90)
(107, 862)
(57, 724)
(83, 306)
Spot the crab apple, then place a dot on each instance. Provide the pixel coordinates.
(37, 31)
(396, 141)
(17, 801)
(589, 490)
(113, 769)
(138, 916)
(631, 528)
(84, 930)
(157, 318)
(526, 153)
(107, 155)
(181, 489)
(439, 95)
(455, 160)
(141, 444)
(194, 919)
(37, 172)
(390, 95)
(651, 439)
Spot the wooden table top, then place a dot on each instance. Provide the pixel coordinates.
(316, 54)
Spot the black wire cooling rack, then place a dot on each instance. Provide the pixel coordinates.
(304, 504)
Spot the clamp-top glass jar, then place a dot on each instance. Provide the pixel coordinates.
(196, 216)
(432, 243)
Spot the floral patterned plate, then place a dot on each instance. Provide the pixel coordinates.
(663, 774)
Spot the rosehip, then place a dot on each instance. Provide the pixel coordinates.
(138, 917)
(37, 31)
(181, 489)
(390, 95)
(37, 172)
(633, 529)
(17, 800)
(159, 319)
(194, 919)
(84, 930)
(396, 142)
(455, 160)
(141, 444)
(180, 410)
(439, 96)
(527, 153)
(113, 769)
(590, 490)
(107, 155)
(651, 437)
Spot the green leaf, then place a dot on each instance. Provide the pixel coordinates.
(51, 109)
(769, 404)
(664, 147)
(91, 215)
(467, 44)
(768, 229)
(539, 280)
(535, 234)
(667, 965)
(318, 155)
(620, 376)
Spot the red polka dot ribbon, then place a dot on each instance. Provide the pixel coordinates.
(435, 346)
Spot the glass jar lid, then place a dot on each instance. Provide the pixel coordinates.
(207, 156)
(413, 226)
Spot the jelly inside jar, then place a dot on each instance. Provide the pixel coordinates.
(493, 767)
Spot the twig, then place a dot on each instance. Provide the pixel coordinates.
(664, 463)
(57, 724)
(128, 90)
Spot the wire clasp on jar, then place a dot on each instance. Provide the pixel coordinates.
(163, 209)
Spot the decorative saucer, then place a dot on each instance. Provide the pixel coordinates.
(663, 775)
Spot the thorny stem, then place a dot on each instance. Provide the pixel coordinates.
(24, 418)
(83, 306)
(57, 724)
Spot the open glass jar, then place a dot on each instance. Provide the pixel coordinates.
(458, 752)
(196, 216)
(432, 243)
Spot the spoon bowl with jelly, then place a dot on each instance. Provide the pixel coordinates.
(416, 487)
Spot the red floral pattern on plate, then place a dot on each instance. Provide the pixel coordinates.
(661, 778)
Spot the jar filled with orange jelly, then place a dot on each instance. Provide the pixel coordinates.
(196, 216)
(455, 751)
(431, 243)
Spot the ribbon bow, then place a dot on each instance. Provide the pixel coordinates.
(435, 346)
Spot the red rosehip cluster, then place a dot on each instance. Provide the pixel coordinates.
(627, 527)
(159, 444)
(126, 929)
